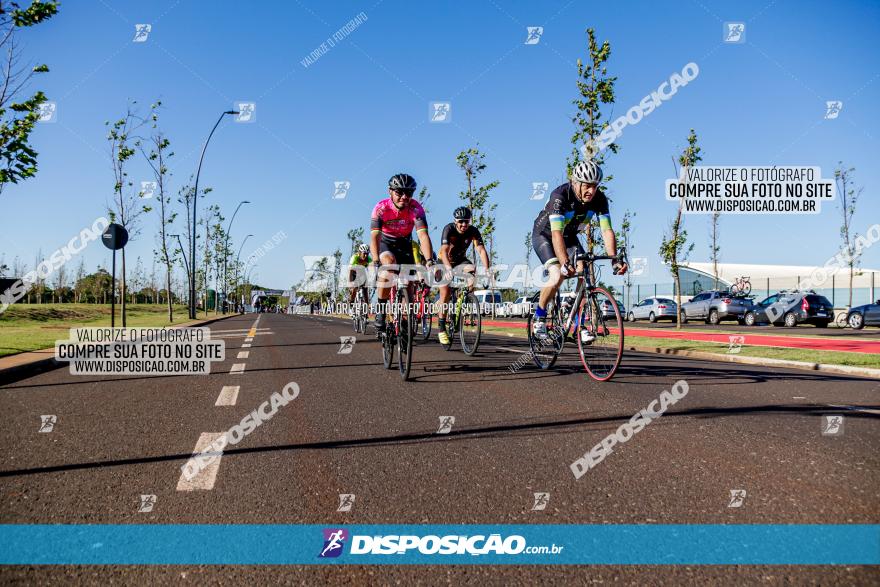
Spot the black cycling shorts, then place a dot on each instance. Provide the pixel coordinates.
(544, 248)
(401, 248)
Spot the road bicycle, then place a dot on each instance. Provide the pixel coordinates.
(398, 332)
(464, 320)
(741, 287)
(422, 311)
(594, 316)
(360, 312)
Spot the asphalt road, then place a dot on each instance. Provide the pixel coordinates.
(356, 428)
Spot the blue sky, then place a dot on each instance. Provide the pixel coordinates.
(360, 113)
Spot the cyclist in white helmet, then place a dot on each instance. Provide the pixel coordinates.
(554, 236)
(361, 257)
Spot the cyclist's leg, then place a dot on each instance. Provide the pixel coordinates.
(544, 248)
(384, 280)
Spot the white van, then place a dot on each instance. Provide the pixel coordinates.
(488, 299)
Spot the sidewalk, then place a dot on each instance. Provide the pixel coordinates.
(769, 340)
(15, 367)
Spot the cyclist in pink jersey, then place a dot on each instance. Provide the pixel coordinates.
(391, 224)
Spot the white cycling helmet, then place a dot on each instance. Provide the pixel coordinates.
(363, 249)
(587, 172)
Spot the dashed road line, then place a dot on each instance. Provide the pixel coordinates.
(228, 395)
(246, 345)
(237, 369)
(243, 355)
(205, 478)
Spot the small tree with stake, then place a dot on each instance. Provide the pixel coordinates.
(849, 196)
(674, 248)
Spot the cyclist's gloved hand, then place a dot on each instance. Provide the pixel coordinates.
(619, 267)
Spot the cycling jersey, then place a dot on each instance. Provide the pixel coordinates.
(397, 224)
(355, 260)
(565, 212)
(459, 241)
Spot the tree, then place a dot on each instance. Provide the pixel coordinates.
(126, 207)
(714, 245)
(477, 197)
(185, 198)
(849, 197)
(337, 271)
(138, 279)
(674, 247)
(77, 277)
(60, 281)
(595, 88)
(18, 159)
(157, 157)
(423, 198)
(355, 235)
(528, 244)
(624, 243)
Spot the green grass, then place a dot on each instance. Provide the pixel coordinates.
(807, 355)
(30, 327)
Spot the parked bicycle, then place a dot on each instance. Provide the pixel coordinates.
(741, 287)
(594, 316)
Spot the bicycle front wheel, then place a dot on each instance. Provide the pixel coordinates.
(545, 351)
(404, 331)
(470, 324)
(600, 334)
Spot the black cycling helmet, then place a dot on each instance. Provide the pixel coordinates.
(462, 213)
(402, 181)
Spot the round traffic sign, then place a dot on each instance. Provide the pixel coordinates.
(115, 236)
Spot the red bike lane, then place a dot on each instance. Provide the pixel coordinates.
(792, 342)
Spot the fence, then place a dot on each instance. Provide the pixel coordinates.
(865, 288)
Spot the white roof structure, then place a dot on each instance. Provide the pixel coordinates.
(730, 272)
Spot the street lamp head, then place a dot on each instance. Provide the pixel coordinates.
(245, 201)
(232, 112)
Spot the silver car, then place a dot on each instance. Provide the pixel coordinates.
(653, 309)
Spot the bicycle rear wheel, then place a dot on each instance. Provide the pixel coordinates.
(600, 334)
(470, 323)
(404, 332)
(545, 351)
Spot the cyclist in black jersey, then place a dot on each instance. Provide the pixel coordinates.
(554, 235)
(457, 238)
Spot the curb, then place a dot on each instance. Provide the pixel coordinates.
(29, 369)
(763, 361)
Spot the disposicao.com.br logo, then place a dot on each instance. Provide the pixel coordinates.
(479, 544)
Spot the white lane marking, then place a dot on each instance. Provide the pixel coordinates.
(228, 395)
(206, 477)
(237, 369)
(246, 345)
(798, 397)
(243, 355)
(510, 350)
(249, 339)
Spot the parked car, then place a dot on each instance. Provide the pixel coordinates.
(714, 306)
(791, 308)
(490, 301)
(608, 311)
(861, 316)
(653, 309)
(521, 307)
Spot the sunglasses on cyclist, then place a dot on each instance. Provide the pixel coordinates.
(403, 193)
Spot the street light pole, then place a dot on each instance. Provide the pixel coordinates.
(225, 253)
(183, 254)
(192, 274)
(238, 256)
